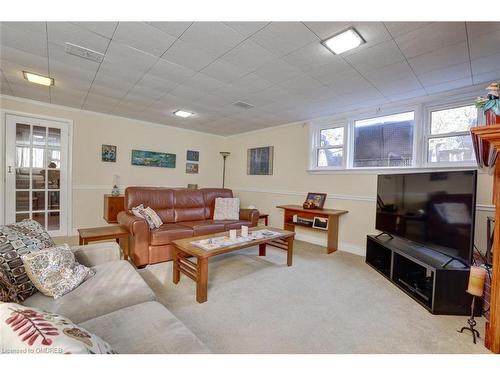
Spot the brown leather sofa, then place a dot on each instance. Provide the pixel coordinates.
(184, 212)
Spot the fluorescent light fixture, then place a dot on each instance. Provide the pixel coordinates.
(343, 42)
(38, 79)
(183, 114)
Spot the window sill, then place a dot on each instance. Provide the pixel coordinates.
(440, 168)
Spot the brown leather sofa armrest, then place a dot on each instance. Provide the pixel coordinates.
(251, 215)
(139, 237)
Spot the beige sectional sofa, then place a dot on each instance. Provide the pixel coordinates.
(117, 305)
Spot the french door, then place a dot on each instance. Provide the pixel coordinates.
(37, 172)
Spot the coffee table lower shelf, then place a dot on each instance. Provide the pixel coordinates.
(198, 270)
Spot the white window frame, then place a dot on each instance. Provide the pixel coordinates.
(315, 136)
(427, 110)
(387, 112)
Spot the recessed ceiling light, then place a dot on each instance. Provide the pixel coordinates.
(343, 42)
(183, 114)
(41, 80)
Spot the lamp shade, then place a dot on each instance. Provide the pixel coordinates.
(477, 277)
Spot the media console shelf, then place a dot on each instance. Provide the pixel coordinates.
(420, 272)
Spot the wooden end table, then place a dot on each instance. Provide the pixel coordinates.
(265, 217)
(112, 232)
(198, 271)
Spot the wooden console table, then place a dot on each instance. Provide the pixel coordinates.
(330, 214)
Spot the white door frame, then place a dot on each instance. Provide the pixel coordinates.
(3, 172)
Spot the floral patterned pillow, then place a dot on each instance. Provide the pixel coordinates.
(28, 330)
(227, 209)
(55, 271)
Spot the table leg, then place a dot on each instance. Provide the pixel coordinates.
(333, 234)
(289, 241)
(262, 249)
(266, 221)
(80, 241)
(202, 280)
(175, 267)
(123, 242)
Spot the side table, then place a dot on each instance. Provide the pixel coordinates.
(112, 232)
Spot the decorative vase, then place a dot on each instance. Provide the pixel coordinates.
(115, 191)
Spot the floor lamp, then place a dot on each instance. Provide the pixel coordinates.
(224, 154)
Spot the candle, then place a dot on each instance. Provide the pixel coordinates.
(477, 277)
(244, 231)
(232, 234)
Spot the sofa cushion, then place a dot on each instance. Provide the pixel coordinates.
(189, 205)
(234, 224)
(203, 227)
(114, 286)
(168, 233)
(145, 328)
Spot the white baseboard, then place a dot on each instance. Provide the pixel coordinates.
(343, 246)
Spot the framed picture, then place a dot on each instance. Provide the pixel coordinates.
(193, 186)
(191, 167)
(320, 223)
(193, 155)
(153, 159)
(260, 160)
(108, 153)
(315, 200)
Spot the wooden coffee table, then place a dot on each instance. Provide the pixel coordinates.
(198, 271)
(111, 232)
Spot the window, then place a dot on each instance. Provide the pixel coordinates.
(329, 147)
(385, 141)
(448, 139)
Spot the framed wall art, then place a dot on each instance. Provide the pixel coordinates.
(153, 159)
(260, 160)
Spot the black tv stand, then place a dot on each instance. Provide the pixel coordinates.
(387, 234)
(454, 259)
(431, 278)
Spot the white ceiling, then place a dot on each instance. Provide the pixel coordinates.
(151, 69)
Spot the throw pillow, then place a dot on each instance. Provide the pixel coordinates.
(227, 209)
(30, 330)
(154, 221)
(153, 216)
(137, 211)
(17, 240)
(8, 291)
(54, 271)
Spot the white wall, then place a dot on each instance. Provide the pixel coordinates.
(92, 178)
(290, 182)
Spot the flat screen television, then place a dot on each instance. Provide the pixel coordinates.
(436, 209)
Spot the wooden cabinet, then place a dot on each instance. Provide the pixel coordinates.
(113, 205)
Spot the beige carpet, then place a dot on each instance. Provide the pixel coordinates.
(322, 304)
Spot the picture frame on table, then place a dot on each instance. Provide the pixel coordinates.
(320, 223)
(315, 201)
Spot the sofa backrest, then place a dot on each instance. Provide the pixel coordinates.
(159, 199)
(176, 204)
(209, 195)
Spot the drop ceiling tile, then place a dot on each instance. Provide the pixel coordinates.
(251, 83)
(97, 106)
(492, 76)
(15, 59)
(212, 37)
(189, 55)
(450, 85)
(277, 71)
(224, 71)
(398, 86)
(67, 97)
(62, 32)
(186, 93)
(486, 64)
(399, 28)
(170, 71)
(144, 37)
(246, 28)
(105, 29)
(58, 54)
(440, 58)
(377, 56)
(301, 84)
(103, 101)
(337, 70)
(202, 83)
(478, 28)
(326, 29)
(386, 74)
(34, 92)
(484, 44)
(115, 74)
(430, 38)
(27, 40)
(156, 83)
(348, 83)
(126, 57)
(144, 94)
(248, 55)
(452, 73)
(310, 57)
(173, 28)
(282, 38)
(407, 95)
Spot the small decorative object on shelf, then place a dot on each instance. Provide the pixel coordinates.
(486, 155)
(320, 223)
(115, 191)
(314, 201)
(477, 277)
